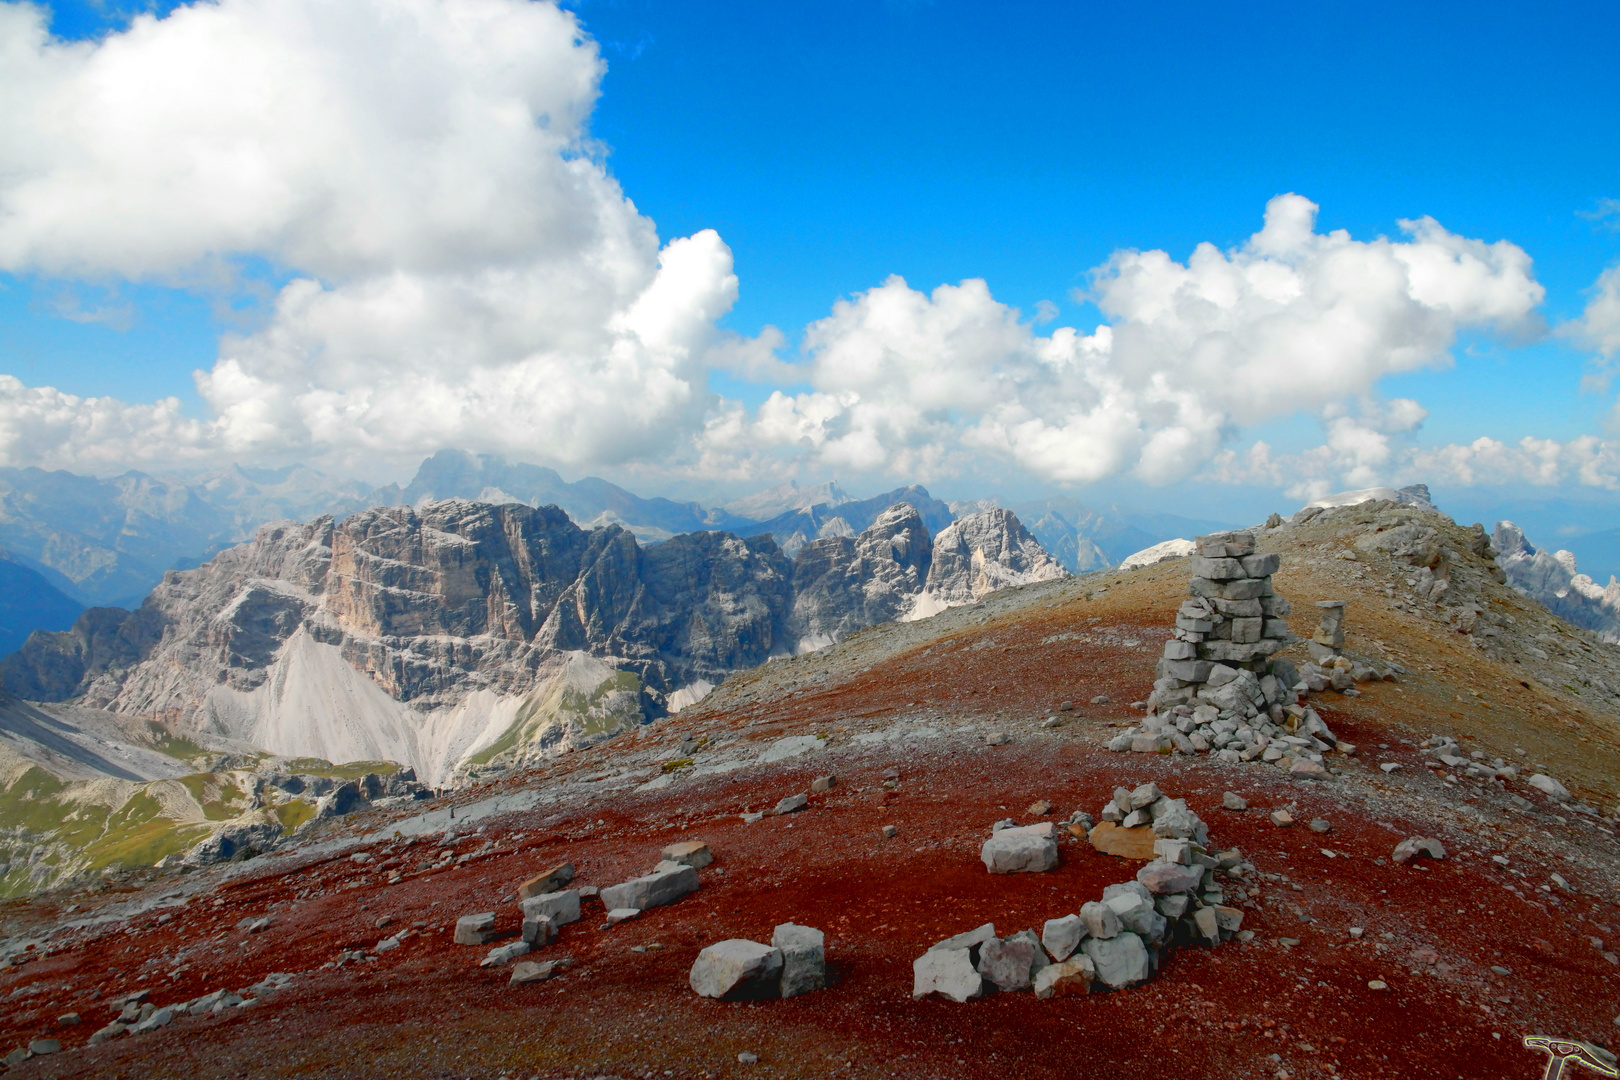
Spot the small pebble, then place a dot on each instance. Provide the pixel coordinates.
(1377, 984)
(1356, 931)
(890, 832)
(1320, 825)
(1233, 801)
(745, 1058)
(1281, 818)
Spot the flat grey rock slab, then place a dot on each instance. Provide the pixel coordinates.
(653, 890)
(804, 958)
(561, 908)
(737, 968)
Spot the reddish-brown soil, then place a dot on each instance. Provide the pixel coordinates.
(1256, 1009)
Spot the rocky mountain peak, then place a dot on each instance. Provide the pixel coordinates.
(983, 552)
(455, 631)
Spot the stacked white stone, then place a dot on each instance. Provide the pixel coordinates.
(1329, 636)
(1227, 633)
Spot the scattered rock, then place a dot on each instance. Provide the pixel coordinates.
(948, 972)
(1066, 977)
(745, 1058)
(804, 958)
(1132, 843)
(1320, 825)
(475, 929)
(693, 853)
(1031, 849)
(890, 832)
(1552, 788)
(550, 881)
(502, 955)
(1040, 808)
(1282, 818)
(561, 908)
(1233, 801)
(1304, 768)
(653, 890)
(1167, 877)
(1414, 846)
(737, 969)
(111, 1031)
(527, 971)
(997, 738)
(41, 1047)
(1120, 960)
(159, 1018)
(792, 804)
(539, 931)
(1060, 937)
(823, 783)
(622, 914)
(1101, 920)
(1390, 766)
(1010, 965)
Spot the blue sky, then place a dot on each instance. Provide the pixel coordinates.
(837, 143)
(833, 145)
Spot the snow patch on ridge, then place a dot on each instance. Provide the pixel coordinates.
(1169, 549)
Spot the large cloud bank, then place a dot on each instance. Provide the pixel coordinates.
(1294, 320)
(462, 270)
(466, 271)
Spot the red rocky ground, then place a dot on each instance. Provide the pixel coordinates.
(1260, 1009)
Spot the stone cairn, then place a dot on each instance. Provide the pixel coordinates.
(1179, 898)
(1220, 687)
(1226, 634)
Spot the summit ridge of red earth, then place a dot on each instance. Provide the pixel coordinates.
(335, 954)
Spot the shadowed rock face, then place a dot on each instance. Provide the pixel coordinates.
(844, 584)
(983, 552)
(436, 603)
(1554, 580)
(431, 604)
(56, 666)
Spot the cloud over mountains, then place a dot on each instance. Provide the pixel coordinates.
(461, 269)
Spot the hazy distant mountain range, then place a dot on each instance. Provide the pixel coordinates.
(75, 542)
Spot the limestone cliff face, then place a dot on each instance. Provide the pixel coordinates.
(895, 570)
(844, 584)
(458, 597)
(1553, 579)
(455, 634)
(983, 552)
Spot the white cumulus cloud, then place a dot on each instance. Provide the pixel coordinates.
(464, 270)
(1293, 320)
(461, 269)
